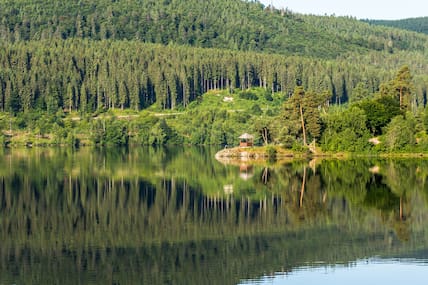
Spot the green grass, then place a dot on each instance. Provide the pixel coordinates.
(235, 101)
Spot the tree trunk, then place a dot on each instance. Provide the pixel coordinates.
(265, 135)
(302, 191)
(303, 124)
(265, 175)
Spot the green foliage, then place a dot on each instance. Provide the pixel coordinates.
(13, 104)
(292, 129)
(379, 112)
(234, 25)
(86, 76)
(87, 56)
(294, 145)
(109, 132)
(116, 133)
(269, 113)
(265, 129)
(141, 129)
(345, 130)
(359, 93)
(248, 95)
(71, 140)
(404, 87)
(268, 96)
(425, 120)
(400, 133)
(419, 24)
(400, 88)
(271, 152)
(313, 103)
(256, 110)
(158, 135)
(3, 121)
(302, 113)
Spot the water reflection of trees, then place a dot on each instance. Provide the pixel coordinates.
(131, 205)
(127, 191)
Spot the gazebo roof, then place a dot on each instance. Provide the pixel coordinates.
(246, 136)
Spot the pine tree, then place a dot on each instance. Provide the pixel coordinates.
(403, 85)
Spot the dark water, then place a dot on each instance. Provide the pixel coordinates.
(177, 216)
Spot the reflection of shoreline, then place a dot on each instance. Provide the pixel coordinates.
(264, 161)
(255, 153)
(246, 171)
(262, 153)
(256, 160)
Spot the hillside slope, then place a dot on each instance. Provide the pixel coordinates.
(93, 55)
(419, 25)
(88, 75)
(228, 24)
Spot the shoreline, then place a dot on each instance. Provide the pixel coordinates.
(250, 154)
(264, 153)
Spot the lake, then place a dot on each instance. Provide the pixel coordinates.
(178, 216)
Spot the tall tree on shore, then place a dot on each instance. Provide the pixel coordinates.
(305, 107)
(296, 102)
(403, 85)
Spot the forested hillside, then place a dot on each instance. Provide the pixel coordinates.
(83, 75)
(89, 55)
(419, 25)
(229, 24)
(68, 61)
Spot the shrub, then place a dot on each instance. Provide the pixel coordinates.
(268, 97)
(256, 110)
(269, 112)
(248, 95)
(271, 152)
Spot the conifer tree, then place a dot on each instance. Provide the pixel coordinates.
(403, 86)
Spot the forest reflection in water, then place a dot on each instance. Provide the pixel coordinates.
(155, 216)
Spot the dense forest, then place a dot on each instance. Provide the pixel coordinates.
(145, 72)
(235, 25)
(86, 76)
(419, 25)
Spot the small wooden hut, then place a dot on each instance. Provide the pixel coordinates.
(246, 140)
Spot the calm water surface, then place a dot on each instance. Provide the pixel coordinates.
(177, 216)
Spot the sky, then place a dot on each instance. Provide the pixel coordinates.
(361, 9)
